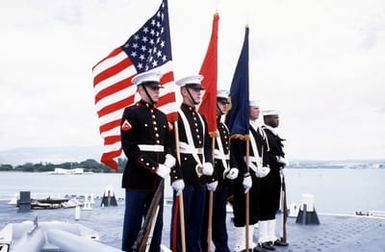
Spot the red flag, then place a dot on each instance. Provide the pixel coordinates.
(209, 70)
(147, 49)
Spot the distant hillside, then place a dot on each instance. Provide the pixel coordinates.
(338, 164)
(54, 155)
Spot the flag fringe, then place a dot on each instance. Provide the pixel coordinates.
(240, 136)
(213, 134)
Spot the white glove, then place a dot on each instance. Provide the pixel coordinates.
(247, 183)
(162, 170)
(212, 186)
(282, 160)
(208, 169)
(232, 174)
(262, 172)
(169, 161)
(178, 186)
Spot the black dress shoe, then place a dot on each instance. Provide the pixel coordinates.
(267, 245)
(259, 249)
(280, 243)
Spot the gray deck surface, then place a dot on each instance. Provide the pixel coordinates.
(335, 233)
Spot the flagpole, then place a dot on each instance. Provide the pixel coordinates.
(210, 207)
(238, 117)
(209, 226)
(216, 6)
(180, 197)
(247, 195)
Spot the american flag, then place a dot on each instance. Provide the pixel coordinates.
(148, 49)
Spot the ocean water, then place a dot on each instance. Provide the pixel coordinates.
(341, 191)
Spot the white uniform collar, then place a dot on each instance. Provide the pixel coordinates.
(254, 124)
(273, 130)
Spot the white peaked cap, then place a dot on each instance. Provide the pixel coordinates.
(223, 94)
(146, 77)
(270, 112)
(255, 103)
(192, 79)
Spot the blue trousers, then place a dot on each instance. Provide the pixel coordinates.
(219, 230)
(194, 203)
(137, 204)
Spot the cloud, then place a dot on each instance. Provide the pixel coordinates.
(319, 62)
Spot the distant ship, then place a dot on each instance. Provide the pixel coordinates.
(62, 171)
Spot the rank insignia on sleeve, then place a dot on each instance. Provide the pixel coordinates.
(126, 126)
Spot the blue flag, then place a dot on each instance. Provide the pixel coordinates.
(237, 118)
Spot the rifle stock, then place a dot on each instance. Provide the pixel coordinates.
(284, 214)
(141, 240)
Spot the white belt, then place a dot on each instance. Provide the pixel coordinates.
(151, 147)
(254, 162)
(253, 167)
(188, 149)
(254, 159)
(219, 155)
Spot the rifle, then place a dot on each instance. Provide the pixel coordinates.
(147, 227)
(284, 213)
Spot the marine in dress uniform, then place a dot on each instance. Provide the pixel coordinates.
(248, 179)
(195, 165)
(223, 173)
(145, 137)
(270, 186)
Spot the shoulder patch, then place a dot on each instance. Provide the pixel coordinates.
(126, 126)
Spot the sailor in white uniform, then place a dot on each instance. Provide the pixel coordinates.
(248, 178)
(270, 185)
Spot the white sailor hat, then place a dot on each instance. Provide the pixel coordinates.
(223, 95)
(270, 112)
(148, 78)
(193, 81)
(255, 103)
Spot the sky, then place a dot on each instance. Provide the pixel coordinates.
(321, 63)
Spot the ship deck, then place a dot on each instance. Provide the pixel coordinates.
(335, 232)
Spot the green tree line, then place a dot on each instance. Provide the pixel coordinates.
(89, 165)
